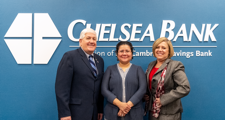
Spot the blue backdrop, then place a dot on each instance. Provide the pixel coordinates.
(27, 90)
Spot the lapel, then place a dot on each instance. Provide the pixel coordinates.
(148, 72)
(159, 70)
(85, 60)
(162, 66)
(129, 73)
(157, 74)
(119, 78)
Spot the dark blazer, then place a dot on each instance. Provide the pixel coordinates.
(78, 91)
(176, 86)
(135, 88)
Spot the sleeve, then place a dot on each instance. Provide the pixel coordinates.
(105, 87)
(63, 85)
(137, 97)
(101, 98)
(182, 89)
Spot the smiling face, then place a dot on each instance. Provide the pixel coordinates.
(88, 43)
(124, 54)
(162, 51)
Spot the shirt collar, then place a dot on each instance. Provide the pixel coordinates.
(87, 54)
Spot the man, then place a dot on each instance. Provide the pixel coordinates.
(78, 81)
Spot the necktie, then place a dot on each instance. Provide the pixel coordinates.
(91, 60)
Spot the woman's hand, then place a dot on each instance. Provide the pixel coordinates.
(121, 114)
(122, 106)
(130, 103)
(146, 98)
(158, 103)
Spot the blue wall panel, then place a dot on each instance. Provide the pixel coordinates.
(27, 90)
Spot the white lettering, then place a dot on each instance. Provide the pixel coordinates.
(103, 31)
(134, 31)
(209, 32)
(198, 53)
(70, 29)
(125, 32)
(165, 29)
(182, 32)
(97, 28)
(195, 30)
(148, 32)
(111, 37)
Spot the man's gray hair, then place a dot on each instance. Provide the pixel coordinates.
(86, 30)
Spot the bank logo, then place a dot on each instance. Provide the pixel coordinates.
(41, 29)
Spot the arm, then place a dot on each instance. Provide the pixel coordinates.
(182, 89)
(137, 97)
(101, 98)
(105, 87)
(63, 85)
(111, 98)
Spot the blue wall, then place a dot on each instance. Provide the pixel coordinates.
(27, 90)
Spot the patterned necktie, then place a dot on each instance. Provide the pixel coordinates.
(91, 60)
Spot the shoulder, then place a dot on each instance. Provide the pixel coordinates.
(135, 66)
(71, 52)
(112, 66)
(152, 63)
(175, 63)
(71, 55)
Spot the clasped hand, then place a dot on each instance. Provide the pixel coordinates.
(158, 102)
(124, 108)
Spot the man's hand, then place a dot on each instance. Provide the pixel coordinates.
(100, 116)
(66, 118)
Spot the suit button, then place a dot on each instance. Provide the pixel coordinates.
(153, 80)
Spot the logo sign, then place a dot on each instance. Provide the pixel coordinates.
(41, 29)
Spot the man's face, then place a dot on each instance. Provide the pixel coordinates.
(88, 43)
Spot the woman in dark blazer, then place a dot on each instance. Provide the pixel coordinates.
(123, 86)
(167, 83)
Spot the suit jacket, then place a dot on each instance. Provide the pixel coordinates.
(175, 83)
(78, 91)
(135, 88)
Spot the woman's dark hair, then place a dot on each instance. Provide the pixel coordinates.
(124, 43)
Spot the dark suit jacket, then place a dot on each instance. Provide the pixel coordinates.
(135, 85)
(78, 91)
(175, 83)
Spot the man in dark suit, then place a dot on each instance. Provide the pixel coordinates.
(78, 81)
